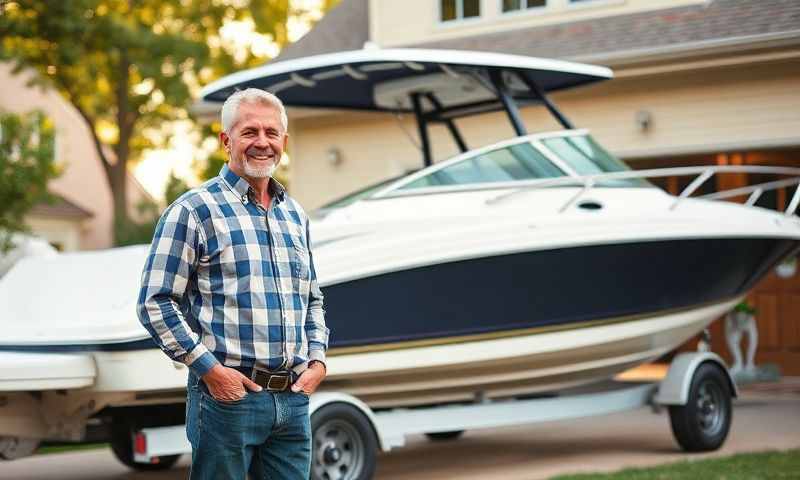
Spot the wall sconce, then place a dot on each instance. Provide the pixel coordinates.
(787, 268)
(644, 120)
(334, 156)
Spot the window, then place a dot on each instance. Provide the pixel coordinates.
(586, 157)
(514, 163)
(459, 9)
(514, 5)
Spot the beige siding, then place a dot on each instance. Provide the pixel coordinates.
(697, 111)
(412, 21)
(65, 233)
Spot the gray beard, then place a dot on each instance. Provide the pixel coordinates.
(256, 172)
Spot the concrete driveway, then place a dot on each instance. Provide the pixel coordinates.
(765, 417)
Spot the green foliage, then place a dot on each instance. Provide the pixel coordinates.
(131, 232)
(175, 188)
(744, 466)
(27, 145)
(745, 307)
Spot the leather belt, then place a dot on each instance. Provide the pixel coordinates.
(269, 381)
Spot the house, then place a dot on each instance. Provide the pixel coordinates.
(81, 217)
(714, 82)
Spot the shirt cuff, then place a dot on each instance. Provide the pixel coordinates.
(202, 364)
(317, 354)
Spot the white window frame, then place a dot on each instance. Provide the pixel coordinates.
(524, 8)
(459, 13)
(570, 4)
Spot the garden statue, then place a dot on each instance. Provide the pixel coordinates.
(738, 322)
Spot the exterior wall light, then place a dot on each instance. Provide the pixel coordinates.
(644, 120)
(787, 268)
(334, 156)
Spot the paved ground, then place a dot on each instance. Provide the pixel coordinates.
(765, 417)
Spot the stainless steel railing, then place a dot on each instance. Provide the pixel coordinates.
(703, 174)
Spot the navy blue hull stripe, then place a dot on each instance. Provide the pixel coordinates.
(530, 290)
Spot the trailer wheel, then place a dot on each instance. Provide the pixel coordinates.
(122, 445)
(12, 448)
(703, 423)
(442, 436)
(344, 445)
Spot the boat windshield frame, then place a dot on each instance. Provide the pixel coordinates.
(395, 189)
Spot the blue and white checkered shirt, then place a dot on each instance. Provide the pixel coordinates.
(229, 281)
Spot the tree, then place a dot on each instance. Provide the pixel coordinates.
(26, 165)
(128, 66)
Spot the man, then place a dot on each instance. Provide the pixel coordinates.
(229, 289)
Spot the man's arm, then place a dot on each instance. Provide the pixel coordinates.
(177, 245)
(316, 331)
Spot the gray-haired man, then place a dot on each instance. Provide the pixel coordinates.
(229, 289)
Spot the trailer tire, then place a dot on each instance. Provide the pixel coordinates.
(444, 436)
(12, 448)
(703, 423)
(343, 442)
(122, 446)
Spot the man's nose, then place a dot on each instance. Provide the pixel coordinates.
(262, 140)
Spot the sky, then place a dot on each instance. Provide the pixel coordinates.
(184, 146)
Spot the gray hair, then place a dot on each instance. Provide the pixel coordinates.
(230, 109)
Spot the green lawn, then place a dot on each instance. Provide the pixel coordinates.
(70, 448)
(746, 466)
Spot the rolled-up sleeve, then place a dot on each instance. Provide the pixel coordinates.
(316, 331)
(177, 246)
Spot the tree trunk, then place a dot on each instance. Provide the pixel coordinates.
(117, 179)
(125, 121)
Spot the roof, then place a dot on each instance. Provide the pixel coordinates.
(60, 207)
(347, 27)
(695, 24)
(344, 27)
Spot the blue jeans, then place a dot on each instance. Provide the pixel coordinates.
(266, 435)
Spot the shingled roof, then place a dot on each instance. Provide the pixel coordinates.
(347, 27)
(60, 207)
(695, 24)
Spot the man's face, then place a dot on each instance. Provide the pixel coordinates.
(256, 141)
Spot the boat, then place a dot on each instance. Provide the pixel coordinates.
(529, 266)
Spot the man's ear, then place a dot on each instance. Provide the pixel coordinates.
(285, 141)
(225, 140)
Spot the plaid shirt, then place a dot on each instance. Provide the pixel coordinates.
(229, 281)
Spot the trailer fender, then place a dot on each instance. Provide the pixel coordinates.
(319, 400)
(674, 389)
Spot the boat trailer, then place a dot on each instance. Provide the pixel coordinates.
(347, 433)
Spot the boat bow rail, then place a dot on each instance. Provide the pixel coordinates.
(701, 173)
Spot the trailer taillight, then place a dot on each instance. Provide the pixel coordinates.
(140, 443)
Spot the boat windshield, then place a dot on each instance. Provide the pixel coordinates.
(361, 194)
(586, 157)
(507, 164)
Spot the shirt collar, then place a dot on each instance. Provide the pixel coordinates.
(240, 186)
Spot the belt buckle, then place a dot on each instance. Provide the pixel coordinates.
(278, 382)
